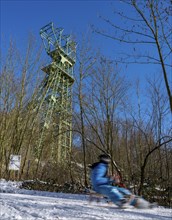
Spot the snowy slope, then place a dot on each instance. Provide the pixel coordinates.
(23, 204)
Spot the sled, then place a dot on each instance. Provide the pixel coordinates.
(140, 203)
(94, 196)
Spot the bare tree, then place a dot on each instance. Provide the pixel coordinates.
(19, 80)
(147, 32)
(152, 132)
(107, 91)
(86, 60)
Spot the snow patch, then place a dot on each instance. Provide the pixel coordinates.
(16, 204)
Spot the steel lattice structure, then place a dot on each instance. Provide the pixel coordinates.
(56, 113)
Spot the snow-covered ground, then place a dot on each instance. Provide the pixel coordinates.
(16, 204)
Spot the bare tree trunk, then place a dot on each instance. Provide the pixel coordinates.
(143, 167)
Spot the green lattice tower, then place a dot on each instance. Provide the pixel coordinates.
(56, 114)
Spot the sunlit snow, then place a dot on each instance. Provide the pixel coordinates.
(16, 204)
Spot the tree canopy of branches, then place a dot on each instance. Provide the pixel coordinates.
(147, 30)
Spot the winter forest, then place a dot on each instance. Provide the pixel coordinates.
(109, 114)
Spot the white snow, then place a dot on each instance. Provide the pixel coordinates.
(16, 204)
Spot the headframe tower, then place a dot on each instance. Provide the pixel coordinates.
(56, 115)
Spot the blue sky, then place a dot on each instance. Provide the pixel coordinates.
(18, 18)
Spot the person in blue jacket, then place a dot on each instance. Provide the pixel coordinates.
(102, 183)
